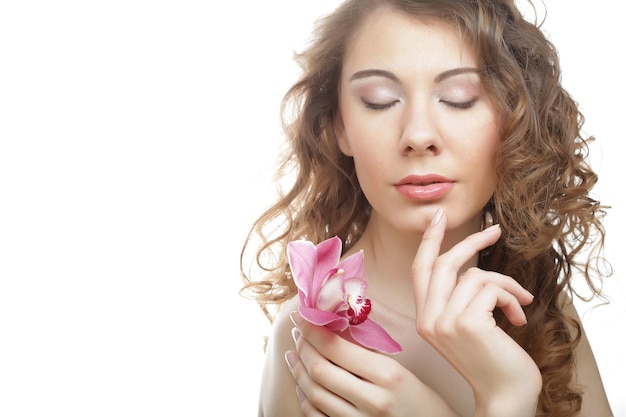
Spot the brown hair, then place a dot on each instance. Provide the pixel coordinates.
(542, 200)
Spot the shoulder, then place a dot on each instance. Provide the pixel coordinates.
(595, 402)
(278, 388)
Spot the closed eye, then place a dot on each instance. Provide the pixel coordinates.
(378, 106)
(460, 105)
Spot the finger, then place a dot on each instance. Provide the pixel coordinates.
(299, 373)
(471, 283)
(443, 279)
(314, 398)
(305, 405)
(508, 302)
(487, 299)
(322, 382)
(359, 376)
(350, 357)
(425, 257)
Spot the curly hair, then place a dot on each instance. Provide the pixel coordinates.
(552, 227)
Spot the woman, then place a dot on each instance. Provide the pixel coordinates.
(435, 138)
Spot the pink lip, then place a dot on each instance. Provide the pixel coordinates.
(424, 187)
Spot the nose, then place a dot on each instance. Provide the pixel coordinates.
(420, 133)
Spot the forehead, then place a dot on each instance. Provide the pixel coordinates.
(388, 37)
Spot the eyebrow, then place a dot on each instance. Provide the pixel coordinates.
(374, 73)
(456, 71)
(390, 75)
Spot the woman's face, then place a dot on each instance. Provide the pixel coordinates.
(417, 121)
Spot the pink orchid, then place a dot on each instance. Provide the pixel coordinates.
(332, 292)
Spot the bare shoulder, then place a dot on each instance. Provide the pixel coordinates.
(595, 402)
(278, 388)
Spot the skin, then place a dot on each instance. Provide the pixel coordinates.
(419, 116)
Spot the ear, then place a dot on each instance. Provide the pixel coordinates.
(340, 135)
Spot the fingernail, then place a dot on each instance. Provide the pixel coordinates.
(292, 359)
(437, 218)
(295, 333)
(299, 393)
(295, 318)
(491, 228)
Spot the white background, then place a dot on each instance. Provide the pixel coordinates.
(136, 147)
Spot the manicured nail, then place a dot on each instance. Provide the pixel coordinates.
(491, 228)
(299, 393)
(295, 318)
(295, 334)
(437, 218)
(292, 359)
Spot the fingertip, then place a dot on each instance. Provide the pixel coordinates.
(516, 315)
(300, 394)
(528, 299)
(524, 296)
(492, 229)
(439, 214)
(437, 226)
(292, 359)
(522, 320)
(296, 318)
(295, 334)
(491, 234)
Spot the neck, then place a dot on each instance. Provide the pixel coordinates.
(389, 254)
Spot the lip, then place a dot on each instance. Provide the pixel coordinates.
(424, 187)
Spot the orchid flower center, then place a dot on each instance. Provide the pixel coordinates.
(359, 307)
(334, 297)
(359, 310)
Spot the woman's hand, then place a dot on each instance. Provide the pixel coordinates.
(338, 378)
(455, 315)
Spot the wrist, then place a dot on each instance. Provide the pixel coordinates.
(517, 398)
(508, 406)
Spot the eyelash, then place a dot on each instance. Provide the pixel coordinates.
(377, 106)
(460, 106)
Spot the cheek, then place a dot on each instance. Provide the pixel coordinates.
(350, 136)
(475, 142)
(343, 127)
(484, 151)
(482, 137)
(364, 133)
(484, 155)
(359, 141)
(491, 143)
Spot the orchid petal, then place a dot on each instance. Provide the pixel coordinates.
(331, 295)
(355, 287)
(370, 334)
(353, 265)
(332, 292)
(324, 318)
(328, 254)
(302, 256)
(339, 325)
